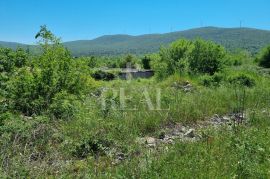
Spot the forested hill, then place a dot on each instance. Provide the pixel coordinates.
(232, 38)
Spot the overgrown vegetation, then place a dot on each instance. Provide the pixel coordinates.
(264, 57)
(56, 120)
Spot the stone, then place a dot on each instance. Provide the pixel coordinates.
(190, 133)
(183, 129)
(150, 141)
(168, 141)
(188, 86)
(120, 156)
(226, 118)
(216, 119)
(216, 116)
(176, 133)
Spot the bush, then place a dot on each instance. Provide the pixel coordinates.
(146, 62)
(31, 89)
(206, 57)
(102, 75)
(237, 58)
(23, 90)
(179, 54)
(160, 70)
(9, 60)
(242, 80)
(64, 105)
(264, 58)
(213, 80)
(128, 62)
(90, 147)
(175, 57)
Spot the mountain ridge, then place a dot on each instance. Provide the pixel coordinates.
(250, 39)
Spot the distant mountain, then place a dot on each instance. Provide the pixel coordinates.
(232, 38)
(12, 45)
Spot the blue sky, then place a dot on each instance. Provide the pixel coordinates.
(87, 19)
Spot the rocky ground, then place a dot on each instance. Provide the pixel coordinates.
(186, 133)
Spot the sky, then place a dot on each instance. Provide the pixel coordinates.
(88, 19)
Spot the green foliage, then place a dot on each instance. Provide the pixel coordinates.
(90, 139)
(206, 57)
(179, 52)
(102, 75)
(33, 87)
(238, 58)
(160, 67)
(12, 59)
(128, 62)
(197, 57)
(146, 60)
(242, 80)
(214, 80)
(264, 57)
(64, 105)
(92, 62)
(46, 36)
(173, 59)
(91, 147)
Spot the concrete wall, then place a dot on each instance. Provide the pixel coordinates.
(136, 74)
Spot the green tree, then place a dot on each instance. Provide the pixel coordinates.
(160, 67)
(176, 56)
(34, 87)
(146, 62)
(206, 57)
(10, 62)
(179, 54)
(129, 61)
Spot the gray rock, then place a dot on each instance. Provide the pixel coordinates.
(216, 118)
(176, 133)
(226, 118)
(150, 141)
(120, 156)
(183, 129)
(190, 133)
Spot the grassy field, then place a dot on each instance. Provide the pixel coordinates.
(57, 121)
(87, 143)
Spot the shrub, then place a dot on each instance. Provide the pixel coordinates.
(237, 58)
(242, 80)
(31, 89)
(64, 105)
(90, 147)
(264, 57)
(128, 62)
(213, 80)
(206, 57)
(159, 66)
(160, 70)
(175, 57)
(102, 75)
(12, 59)
(146, 62)
(23, 91)
(179, 53)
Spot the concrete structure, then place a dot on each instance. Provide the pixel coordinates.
(126, 74)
